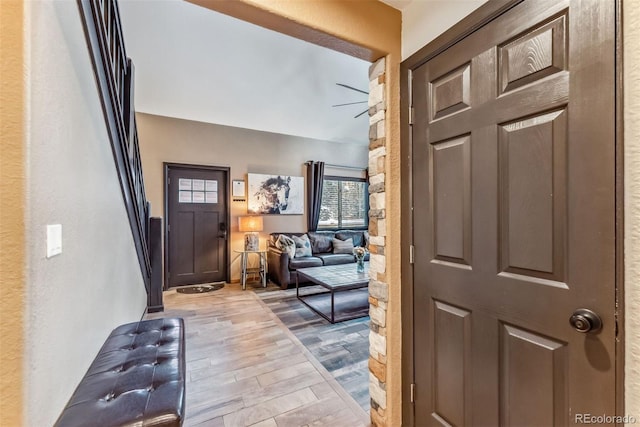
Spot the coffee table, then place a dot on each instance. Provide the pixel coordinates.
(337, 279)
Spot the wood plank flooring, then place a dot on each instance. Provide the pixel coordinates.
(342, 348)
(245, 368)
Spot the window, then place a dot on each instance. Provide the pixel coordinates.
(344, 203)
(197, 191)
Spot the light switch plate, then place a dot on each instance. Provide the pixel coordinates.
(54, 239)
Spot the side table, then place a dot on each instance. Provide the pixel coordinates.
(245, 270)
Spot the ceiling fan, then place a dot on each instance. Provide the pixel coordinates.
(353, 103)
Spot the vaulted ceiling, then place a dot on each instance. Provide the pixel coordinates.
(193, 63)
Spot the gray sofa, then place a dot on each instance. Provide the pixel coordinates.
(282, 269)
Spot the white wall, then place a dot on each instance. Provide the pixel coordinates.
(165, 139)
(424, 20)
(631, 35)
(76, 298)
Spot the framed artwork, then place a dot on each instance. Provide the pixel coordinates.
(275, 194)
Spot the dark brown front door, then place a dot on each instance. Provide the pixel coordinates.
(514, 220)
(197, 225)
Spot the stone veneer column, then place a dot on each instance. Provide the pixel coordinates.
(378, 288)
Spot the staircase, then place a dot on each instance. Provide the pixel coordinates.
(114, 73)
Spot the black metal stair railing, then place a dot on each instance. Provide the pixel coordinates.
(114, 74)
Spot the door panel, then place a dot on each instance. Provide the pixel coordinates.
(450, 167)
(532, 162)
(533, 382)
(197, 223)
(452, 363)
(185, 236)
(451, 93)
(535, 55)
(514, 219)
(210, 224)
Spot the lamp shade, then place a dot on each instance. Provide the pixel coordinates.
(250, 223)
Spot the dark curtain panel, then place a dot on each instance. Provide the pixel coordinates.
(315, 175)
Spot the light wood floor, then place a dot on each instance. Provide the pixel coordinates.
(245, 368)
(342, 348)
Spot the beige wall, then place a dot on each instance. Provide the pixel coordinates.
(631, 36)
(76, 298)
(12, 213)
(171, 140)
(424, 20)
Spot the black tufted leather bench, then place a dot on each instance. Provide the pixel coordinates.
(137, 379)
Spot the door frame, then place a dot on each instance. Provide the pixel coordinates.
(478, 18)
(227, 172)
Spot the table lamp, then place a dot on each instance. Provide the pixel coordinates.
(251, 224)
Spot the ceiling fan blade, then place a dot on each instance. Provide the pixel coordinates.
(352, 88)
(350, 103)
(361, 113)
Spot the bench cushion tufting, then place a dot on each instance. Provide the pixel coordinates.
(137, 379)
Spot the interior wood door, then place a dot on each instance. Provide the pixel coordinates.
(197, 225)
(514, 220)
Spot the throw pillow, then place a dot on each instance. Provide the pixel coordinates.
(286, 244)
(356, 236)
(366, 239)
(320, 241)
(303, 246)
(342, 246)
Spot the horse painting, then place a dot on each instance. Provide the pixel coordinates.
(273, 195)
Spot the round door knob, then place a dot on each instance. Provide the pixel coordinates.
(584, 320)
